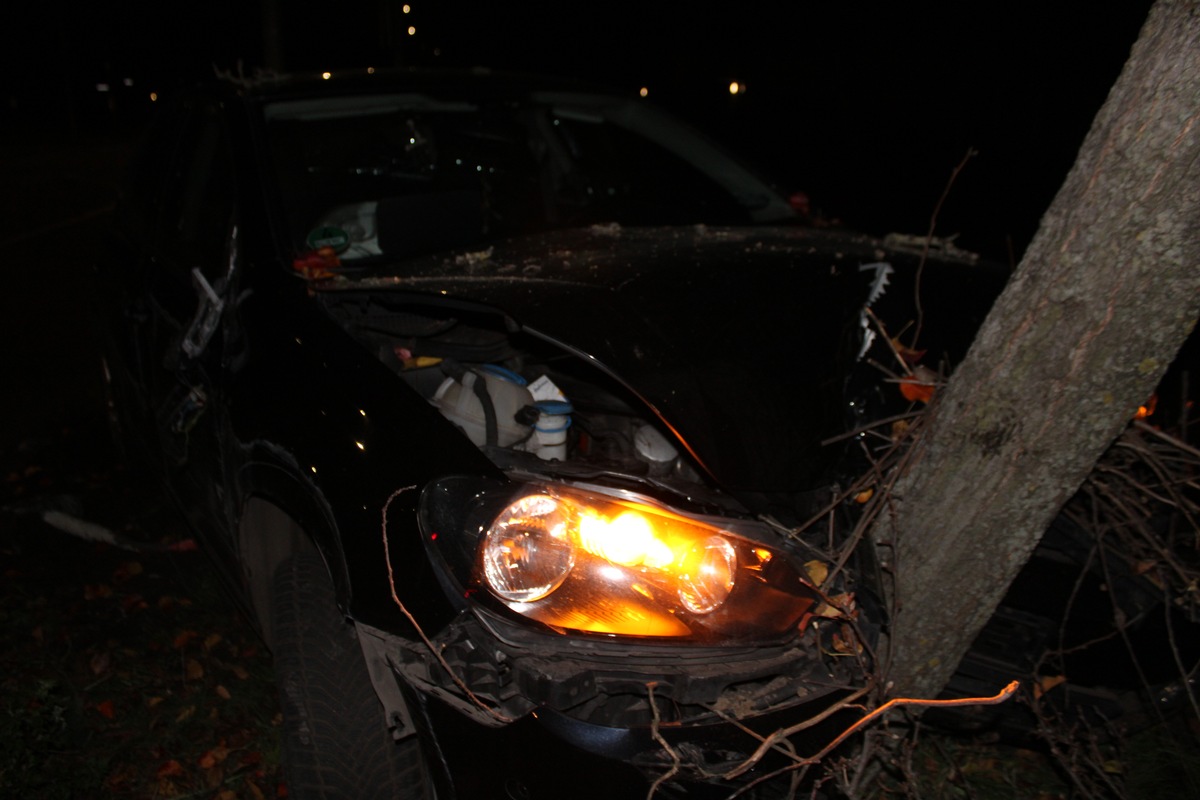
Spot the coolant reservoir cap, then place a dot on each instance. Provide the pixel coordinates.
(554, 416)
(652, 446)
(554, 407)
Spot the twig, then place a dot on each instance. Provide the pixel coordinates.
(971, 153)
(895, 702)
(387, 557)
(658, 737)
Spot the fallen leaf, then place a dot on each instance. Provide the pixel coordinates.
(240, 671)
(99, 663)
(1046, 683)
(193, 670)
(153, 702)
(211, 641)
(920, 385)
(106, 709)
(214, 756)
(817, 571)
(916, 391)
(133, 601)
(170, 769)
(126, 570)
(908, 355)
(186, 714)
(182, 639)
(223, 693)
(96, 591)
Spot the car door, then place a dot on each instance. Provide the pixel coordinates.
(185, 316)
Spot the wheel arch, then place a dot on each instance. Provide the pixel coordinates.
(282, 514)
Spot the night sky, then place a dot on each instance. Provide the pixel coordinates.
(868, 111)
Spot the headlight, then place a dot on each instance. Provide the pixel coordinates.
(580, 559)
(527, 552)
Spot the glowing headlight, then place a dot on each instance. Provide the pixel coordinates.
(707, 575)
(581, 559)
(527, 552)
(531, 546)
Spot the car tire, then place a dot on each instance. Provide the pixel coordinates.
(335, 741)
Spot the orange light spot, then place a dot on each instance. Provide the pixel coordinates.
(1147, 409)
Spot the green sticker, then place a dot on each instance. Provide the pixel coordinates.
(328, 236)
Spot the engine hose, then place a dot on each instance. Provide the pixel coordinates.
(489, 410)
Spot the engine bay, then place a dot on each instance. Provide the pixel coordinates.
(528, 404)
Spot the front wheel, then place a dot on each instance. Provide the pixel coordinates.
(335, 739)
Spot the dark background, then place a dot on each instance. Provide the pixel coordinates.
(866, 109)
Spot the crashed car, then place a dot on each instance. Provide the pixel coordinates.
(502, 404)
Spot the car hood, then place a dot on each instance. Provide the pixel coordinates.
(740, 340)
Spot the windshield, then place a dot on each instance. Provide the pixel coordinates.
(402, 174)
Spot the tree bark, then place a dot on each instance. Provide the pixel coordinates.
(1106, 294)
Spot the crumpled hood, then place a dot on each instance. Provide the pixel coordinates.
(740, 339)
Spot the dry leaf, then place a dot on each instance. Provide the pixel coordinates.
(817, 571)
(106, 709)
(214, 756)
(908, 355)
(916, 391)
(1046, 683)
(193, 669)
(97, 591)
(99, 663)
(222, 692)
(182, 639)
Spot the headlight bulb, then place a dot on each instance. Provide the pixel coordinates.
(707, 575)
(527, 551)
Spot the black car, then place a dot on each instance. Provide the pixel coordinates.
(502, 404)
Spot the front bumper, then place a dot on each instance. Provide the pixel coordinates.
(505, 707)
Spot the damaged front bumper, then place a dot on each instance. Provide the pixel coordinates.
(637, 712)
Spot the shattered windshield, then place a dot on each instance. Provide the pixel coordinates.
(401, 174)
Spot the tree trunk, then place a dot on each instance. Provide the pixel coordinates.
(1101, 302)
